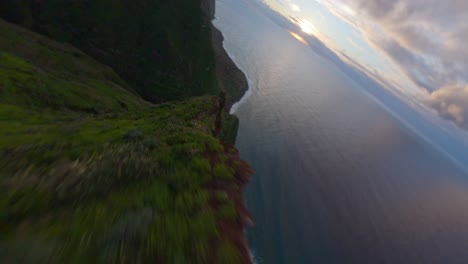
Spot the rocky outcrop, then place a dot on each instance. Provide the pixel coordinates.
(233, 84)
(208, 7)
(229, 77)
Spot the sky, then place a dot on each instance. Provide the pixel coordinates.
(416, 46)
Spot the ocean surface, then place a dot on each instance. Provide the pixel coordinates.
(338, 178)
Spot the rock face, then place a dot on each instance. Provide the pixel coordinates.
(209, 7)
(229, 77)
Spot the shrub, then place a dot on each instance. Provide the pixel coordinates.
(201, 165)
(221, 171)
(228, 211)
(133, 135)
(151, 143)
(222, 196)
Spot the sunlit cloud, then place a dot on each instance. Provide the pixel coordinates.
(425, 39)
(347, 10)
(418, 46)
(295, 7)
(451, 103)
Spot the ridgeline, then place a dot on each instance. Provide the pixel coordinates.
(114, 144)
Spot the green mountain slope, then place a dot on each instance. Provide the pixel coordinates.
(161, 47)
(91, 173)
(39, 73)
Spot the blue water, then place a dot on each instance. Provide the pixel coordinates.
(338, 179)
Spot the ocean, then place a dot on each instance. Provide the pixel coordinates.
(338, 179)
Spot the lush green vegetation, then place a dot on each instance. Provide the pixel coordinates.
(229, 128)
(162, 48)
(91, 173)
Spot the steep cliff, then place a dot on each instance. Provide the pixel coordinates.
(209, 8)
(229, 77)
(92, 173)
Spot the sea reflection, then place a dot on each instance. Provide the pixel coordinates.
(296, 36)
(338, 179)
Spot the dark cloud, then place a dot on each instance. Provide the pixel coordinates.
(414, 65)
(380, 9)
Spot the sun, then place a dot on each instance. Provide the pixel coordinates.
(307, 27)
(295, 8)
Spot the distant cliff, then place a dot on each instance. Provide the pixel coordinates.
(209, 8)
(229, 77)
(163, 49)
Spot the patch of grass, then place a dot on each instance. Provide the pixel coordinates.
(227, 253)
(25, 84)
(228, 211)
(223, 172)
(229, 130)
(222, 197)
(134, 135)
(89, 185)
(201, 165)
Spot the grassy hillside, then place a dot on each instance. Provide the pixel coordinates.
(160, 47)
(91, 173)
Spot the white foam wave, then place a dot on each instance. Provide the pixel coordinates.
(252, 257)
(247, 94)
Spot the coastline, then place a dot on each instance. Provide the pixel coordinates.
(230, 77)
(233, 81)
(247, 94)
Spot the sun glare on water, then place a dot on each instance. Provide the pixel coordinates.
(296, 36)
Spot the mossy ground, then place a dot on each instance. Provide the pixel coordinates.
(91, 173)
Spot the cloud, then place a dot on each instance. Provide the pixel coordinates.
(452, 103)
(295, 7)
(426, 39)
(418, 69)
